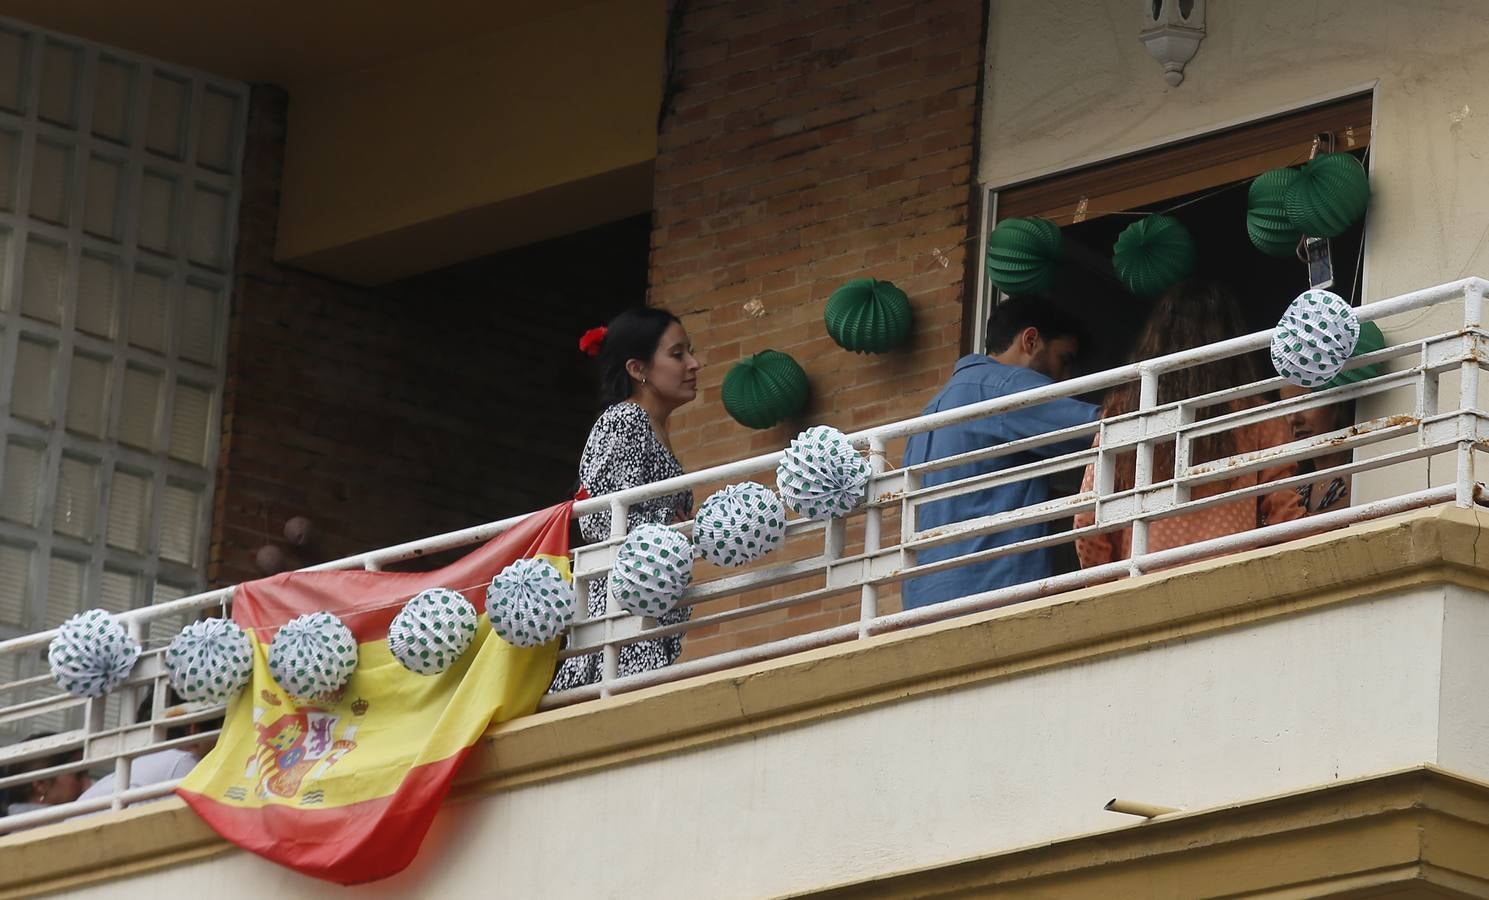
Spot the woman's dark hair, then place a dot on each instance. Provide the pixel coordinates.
(634, 334)
(1192, 314)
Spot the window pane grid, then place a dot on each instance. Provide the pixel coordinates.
(119, 191)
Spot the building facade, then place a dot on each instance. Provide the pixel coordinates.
(429, 213)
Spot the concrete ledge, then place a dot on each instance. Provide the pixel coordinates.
(103, 847)
(1417, 833)
(1425, 547)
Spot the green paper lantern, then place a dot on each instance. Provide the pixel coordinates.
(763, 389)
(1023, 255)
(1328, 196)
(868, 316)
(1152, 254)
(1370, 341)
(1266, 217)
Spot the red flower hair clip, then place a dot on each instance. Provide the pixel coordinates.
(591, 341)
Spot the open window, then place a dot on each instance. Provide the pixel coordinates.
(1203, 183)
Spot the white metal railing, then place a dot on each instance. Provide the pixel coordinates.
(850, 557)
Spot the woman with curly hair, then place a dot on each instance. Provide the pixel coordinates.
(1191, 315)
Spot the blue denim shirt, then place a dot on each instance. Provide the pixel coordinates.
(977, 378)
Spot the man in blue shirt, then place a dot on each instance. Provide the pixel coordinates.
(1030, 344)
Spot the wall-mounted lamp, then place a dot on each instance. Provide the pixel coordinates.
(1172, 30)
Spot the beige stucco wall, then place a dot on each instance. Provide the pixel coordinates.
(1070, 84)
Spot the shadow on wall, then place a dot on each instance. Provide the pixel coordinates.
(434, 403)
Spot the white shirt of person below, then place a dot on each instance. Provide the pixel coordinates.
(162, 765)
(152, 768)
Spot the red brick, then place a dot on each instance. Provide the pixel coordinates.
(819, 146)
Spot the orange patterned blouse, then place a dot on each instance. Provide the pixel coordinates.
(1213, 522)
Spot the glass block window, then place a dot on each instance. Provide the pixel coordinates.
(119, 191)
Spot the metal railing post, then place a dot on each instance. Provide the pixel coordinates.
(1468, 396)
(610, 655)
(868, 601)
(124, 765)
(1142, 470)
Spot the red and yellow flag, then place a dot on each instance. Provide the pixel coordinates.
(345, 789)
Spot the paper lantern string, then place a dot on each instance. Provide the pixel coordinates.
(940, 255)
(1089, 213)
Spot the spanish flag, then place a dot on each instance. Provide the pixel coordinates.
(345, 789)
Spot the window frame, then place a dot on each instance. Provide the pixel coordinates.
(1215, 156)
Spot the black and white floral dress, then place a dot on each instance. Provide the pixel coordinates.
(623, 452)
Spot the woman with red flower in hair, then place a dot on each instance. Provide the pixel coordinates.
(647, 370)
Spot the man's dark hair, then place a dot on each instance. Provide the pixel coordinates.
(1028, 311)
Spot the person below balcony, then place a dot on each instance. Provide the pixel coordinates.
(159, 766)
(1190, 315)
(49, 791)
(647, 370)
(1030, 344)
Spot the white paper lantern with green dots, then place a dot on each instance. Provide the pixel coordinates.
(530, 603)
(652, 569)
(821, 475)
(209, 661)
(313, 655)
(432, 630)
(1314, 338)
(91, 654)
(739, 524)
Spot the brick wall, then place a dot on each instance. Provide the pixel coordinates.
(385, 415)
(807, 144)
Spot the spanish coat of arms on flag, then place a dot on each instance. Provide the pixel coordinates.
(344, 788)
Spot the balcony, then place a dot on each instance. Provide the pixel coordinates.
(1301, 703)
